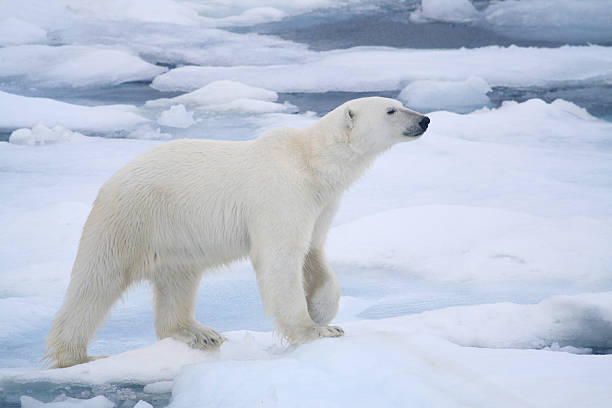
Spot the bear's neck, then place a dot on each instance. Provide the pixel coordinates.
(333, 160)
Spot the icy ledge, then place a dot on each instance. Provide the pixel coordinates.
(470, 352)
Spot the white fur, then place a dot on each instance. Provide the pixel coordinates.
(190, 205)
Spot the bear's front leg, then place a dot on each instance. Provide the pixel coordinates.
(321, 286)
(279, 276)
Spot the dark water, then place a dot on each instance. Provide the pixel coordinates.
(390, 25)
(124, 395)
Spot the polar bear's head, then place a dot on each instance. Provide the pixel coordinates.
(375, 124)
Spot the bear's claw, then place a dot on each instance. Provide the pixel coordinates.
(329, 331)
(199, 336)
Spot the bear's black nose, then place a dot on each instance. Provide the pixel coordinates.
(424, 123)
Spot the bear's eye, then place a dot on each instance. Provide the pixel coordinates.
(391, 111)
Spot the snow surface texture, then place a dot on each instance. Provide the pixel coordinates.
(457, 96)
(376, 68)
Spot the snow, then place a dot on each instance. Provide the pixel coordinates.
(21, 111)
(150, 11)
(177, 116)
(452, 11)
(14, 31)
(40, 134)
(456, 96)
(378, 68)
(481, 354)
(250, 106)
(73, 66)
(482, 244)
(218, 93)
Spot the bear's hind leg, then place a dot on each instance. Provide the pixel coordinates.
(174, 304)
(87, 303)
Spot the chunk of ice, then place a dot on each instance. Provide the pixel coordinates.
(456, 96)
(217, 93)
(177, 116)
(452, 11)
(40, 135)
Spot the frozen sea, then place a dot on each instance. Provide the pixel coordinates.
(475, 263)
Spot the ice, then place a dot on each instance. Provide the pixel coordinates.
(14, 31)
(62, 402)
(255, 15)
(161, 387)
(452, 11)
(381, 68)
(143, 404)
(151, 11)
(251, 106)
(481, 244)
(177, 116)
(40, 135)
(218, 93)
(456, 96)
(21, 111)
(73, 66)
(410, 357)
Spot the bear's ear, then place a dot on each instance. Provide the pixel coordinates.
(349, 118)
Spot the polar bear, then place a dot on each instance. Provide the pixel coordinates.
(190, 205)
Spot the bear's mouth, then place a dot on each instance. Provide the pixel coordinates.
(413, 133)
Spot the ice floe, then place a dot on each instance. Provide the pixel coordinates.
(73, 66)
(381, 68)
(21, 111)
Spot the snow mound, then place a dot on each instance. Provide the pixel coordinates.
(149, 11)
(177, 116)
(376, 68)
(537, 120)
(14, 31)
(481, 244)
(255, 15)
(21, 111)
(457, 96)
(67, 402)
(452, 11)
(40, 135)
(73, 66)
(250, 106)
(217, 93)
